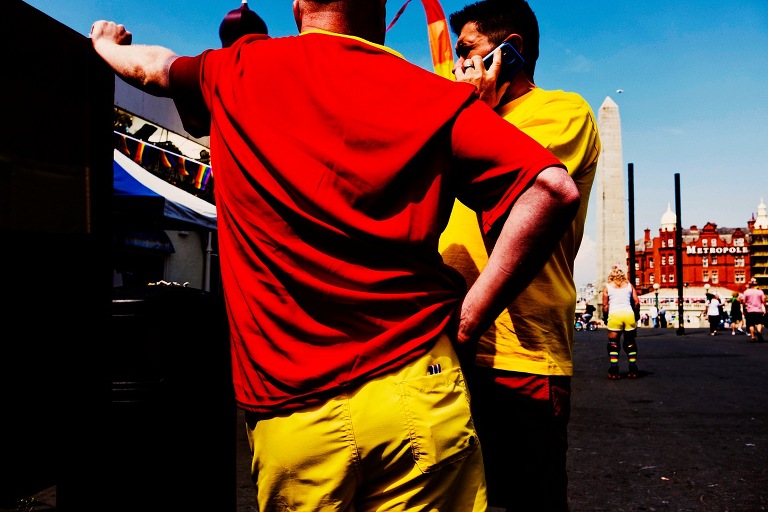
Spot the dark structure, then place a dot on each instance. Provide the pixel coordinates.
(56, 277)
(121, 399)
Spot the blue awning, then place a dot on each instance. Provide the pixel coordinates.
(133, 181)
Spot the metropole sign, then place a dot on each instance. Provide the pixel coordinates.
(716, 250)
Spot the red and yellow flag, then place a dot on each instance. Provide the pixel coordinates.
(164, 160)
(139, 156)
(182, 166)
(439, 37)
(123, 145)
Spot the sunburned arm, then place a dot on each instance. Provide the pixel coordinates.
(146, 67)
(536, 223)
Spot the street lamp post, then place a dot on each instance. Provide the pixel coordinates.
(657, 319)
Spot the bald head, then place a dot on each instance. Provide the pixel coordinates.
(361, 18)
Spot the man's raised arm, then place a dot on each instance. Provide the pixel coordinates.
(146, 67)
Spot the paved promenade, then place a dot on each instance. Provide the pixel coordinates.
(691, 434)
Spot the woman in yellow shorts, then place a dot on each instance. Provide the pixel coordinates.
(620, 302)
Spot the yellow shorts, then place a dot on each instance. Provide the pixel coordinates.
(621, 321)
(402, 442)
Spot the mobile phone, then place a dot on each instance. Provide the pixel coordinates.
(511, 62)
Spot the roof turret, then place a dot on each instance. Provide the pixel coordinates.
(669, 219)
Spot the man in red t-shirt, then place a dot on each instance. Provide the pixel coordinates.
(337, 163)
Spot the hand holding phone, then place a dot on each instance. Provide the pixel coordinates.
(511, 62)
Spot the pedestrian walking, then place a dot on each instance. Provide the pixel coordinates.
(654, 314)
(713, 313)
(754, 310)
(736, 314)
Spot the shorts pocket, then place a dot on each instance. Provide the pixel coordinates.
(437, 414)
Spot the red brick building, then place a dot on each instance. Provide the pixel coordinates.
(718, 257)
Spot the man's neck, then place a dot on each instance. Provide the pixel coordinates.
(332, 21)
(519, 86)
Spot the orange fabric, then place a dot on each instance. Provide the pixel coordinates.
(439, 39)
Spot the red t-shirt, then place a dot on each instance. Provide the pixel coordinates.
(336, 165)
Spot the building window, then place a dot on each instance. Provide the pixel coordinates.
(650, 262)
(738, 261)
(671, 260)
(714, 260)
(671, 242)
(671, 278)
(637, 265)
(705, 261)
(739, 277)
(714, 276)
(663, 260)
(637, 282)
(652, 278)
(738, 242)
(663, 278)
(704, 242)
(663, 243)
(714, 242)
(705, 275)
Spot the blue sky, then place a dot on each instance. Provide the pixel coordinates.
(694, 76)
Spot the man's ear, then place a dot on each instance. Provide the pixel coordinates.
(297, 14)
(515, 40)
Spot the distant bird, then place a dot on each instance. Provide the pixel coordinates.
(619, 91)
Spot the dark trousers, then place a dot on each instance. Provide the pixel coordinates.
(522, 423)
(714, 322)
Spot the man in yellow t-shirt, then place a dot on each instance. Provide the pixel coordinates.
(520, 382)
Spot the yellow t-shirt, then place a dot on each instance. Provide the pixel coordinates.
(535, 333)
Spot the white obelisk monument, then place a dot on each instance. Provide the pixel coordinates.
(610, 197)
